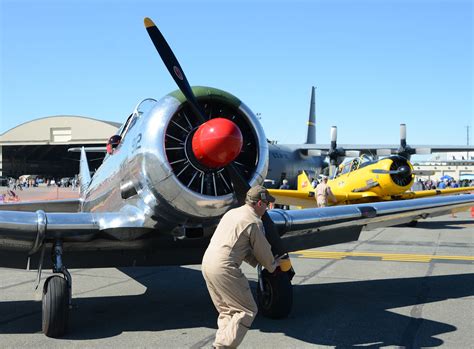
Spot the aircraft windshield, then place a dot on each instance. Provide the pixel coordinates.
(142, 108)
(353, 165)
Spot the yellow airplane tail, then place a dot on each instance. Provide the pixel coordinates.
(304, 184)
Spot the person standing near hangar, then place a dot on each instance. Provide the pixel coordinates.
(238, 237)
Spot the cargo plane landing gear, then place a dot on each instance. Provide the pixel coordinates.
(57, 296)
(274, 293)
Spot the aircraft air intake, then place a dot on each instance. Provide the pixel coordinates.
(197, 154)
(400, 171)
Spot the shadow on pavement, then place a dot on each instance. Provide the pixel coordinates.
(451, 224)
(336, 314)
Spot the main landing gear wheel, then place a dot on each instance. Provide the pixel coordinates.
(276, 299)
(55, 306)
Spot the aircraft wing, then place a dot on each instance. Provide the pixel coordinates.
(306, 199)
(299, 229)
(316, 227)
(29, 230)
(65, 205)
(372, 148)
(434, 192)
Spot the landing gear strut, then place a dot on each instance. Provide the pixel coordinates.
(274, 294)
(56, 296)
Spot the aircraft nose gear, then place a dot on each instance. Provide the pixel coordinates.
(274, 293)
(56, 296)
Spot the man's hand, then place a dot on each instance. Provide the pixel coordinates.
(284, 262)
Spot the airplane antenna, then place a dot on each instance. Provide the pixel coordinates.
(311, 137)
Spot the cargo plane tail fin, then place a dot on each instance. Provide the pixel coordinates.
(311, 136)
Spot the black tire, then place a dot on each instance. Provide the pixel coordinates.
(55, 306)
(276, 300)
(412, 224)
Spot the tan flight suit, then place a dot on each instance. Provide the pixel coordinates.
(323, 194)
(238, 237)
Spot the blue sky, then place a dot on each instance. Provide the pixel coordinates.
(376, 64)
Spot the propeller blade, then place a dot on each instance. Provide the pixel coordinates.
(352, 153)
(271, 233)
(403, 135)
(383, 152)
(422, 151)
(173, 66)
(239, 183)
(333, 134)
(241, 187)
(332, 170)
(400, 170)
(316, 152)
(379, 171)
(333, 154)
(423, 173)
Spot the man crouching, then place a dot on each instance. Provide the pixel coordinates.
(238, 237)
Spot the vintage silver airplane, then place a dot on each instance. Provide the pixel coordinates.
(174, 168)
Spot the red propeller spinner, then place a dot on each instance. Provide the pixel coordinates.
(217, 142)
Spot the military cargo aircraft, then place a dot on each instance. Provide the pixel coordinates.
(289, 160)
(174, 168)
(364, 179)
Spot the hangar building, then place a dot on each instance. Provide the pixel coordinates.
(39, 147)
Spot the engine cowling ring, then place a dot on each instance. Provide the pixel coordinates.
(168, 168)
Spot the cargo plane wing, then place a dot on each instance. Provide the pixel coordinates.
(173, 169)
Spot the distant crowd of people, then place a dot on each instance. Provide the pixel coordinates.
(25, 182)
(441, 184)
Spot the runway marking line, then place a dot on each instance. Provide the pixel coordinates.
(399, 257)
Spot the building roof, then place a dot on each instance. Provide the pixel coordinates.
(60, 129)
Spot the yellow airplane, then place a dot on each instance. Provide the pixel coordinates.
(364, 180)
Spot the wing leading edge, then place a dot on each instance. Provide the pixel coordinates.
(300, 229)
(316, 227)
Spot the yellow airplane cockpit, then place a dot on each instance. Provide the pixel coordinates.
(353, 165)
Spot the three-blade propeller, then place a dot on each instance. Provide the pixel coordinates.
(240, 185)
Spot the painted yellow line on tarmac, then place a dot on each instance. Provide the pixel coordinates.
(399, 257)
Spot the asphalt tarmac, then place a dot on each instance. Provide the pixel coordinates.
(395, 287)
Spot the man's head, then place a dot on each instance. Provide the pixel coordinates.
(324, 178)
(285, 181)
(259, 198)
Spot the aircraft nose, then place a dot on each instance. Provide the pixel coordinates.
(404, 170)
(217, 142)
